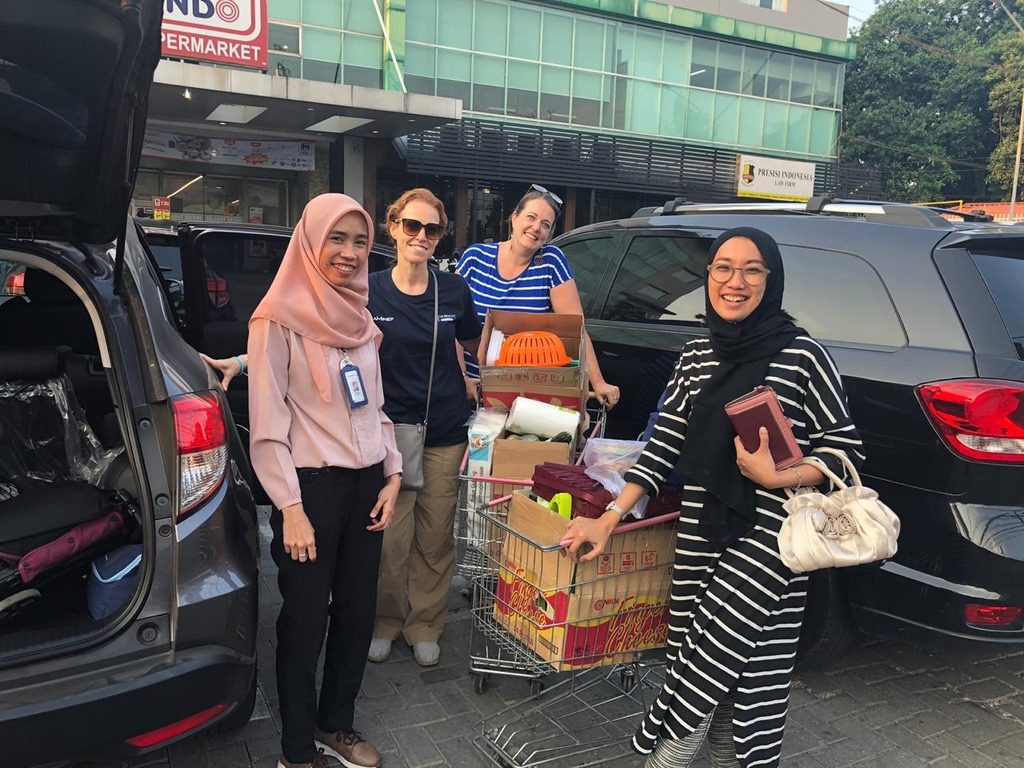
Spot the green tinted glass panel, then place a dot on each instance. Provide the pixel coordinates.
(625, 49)
(557, 43)
(699, 114)
(751, 126)
(490, 27)
(360, 16)
(587, 85)
(283, 66)
(456, 28)
(489, 70)
(286, 10)
(523, 75)
(649, 53)
(524, 24)
(421, 21)
(453, 66)
(283, 38)
(325, 71)
(825, 75)
(364, 51)
(672, 116)
(643, 99)
(705, 58)
(326, 13)
(555, 80)
(730, 64)
(775, 118)
(676, 67)
(799, 129)
(321, 44)
(419, 60)
(755, 72)
(802, 80)
(823, 131)
(588, 45)
(780, 67)
(727, 114)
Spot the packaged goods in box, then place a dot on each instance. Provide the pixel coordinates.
(588, 614)
(565, 386)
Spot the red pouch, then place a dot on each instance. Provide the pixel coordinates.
(761, 408)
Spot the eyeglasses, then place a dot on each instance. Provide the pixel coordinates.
(412, 227)
(722, 273)
(546, 193)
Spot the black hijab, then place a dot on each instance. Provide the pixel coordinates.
(744, 350)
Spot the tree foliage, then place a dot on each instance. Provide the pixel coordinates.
(917, 101)
(1006, 81)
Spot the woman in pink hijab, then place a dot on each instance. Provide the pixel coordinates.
(325, 453)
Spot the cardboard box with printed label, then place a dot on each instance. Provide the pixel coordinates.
(567, 386)
(588, 614)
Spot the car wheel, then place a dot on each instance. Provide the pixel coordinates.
(828, 629)
(241, 714)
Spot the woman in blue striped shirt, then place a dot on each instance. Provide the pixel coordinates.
(524, 274)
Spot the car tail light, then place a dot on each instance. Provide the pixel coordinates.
(992, 615)
(15, 284)
(168, 732)
(981, 419)
(217, 289)
(202, 447)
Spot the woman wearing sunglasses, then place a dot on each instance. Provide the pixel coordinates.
(418, 559)
(525, 274)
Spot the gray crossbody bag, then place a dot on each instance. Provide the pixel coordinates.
(411, 437)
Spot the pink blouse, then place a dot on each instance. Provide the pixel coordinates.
(291, 425)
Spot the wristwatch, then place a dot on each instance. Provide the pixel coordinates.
(617, 510)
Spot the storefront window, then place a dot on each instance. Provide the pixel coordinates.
(213, 198)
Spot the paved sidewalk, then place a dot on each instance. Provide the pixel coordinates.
(887, 704)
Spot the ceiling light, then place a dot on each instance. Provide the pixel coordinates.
(698, 72)
(374, 131)
(235, 113)
(187, 94)
(185, 186)
(338, 124)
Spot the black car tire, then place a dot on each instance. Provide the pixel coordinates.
(828, 629)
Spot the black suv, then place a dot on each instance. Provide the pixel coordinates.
(925, 318)
(123, 481)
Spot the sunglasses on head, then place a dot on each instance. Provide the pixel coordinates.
(412, 227)
(546, 193)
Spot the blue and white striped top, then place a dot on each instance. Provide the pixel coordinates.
(530, 291)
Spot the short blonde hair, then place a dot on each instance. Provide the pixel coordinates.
(419, 193)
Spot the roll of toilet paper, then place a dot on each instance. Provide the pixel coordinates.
(532, 417)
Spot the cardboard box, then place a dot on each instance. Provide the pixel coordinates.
(590, 614)
(567, 387)
(516, 459)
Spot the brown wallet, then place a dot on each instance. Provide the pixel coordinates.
(761, 408)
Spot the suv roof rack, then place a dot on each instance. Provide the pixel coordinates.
(894, 213)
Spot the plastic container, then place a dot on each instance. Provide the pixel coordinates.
(589, 498)
(540, 349)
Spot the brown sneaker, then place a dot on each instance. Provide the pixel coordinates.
(349, 748)
(318, 762)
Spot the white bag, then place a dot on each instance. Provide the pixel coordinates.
(850, 526)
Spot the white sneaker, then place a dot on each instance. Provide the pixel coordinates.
(427, 654)
(379, 651)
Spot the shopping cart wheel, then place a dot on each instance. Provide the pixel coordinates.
(627, 679)
(536, 686)
(479, 684)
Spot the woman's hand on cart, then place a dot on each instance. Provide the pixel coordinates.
(589, 536)
(606, 394)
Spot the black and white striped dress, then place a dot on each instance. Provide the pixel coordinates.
(736, 612)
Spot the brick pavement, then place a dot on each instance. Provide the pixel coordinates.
(887, 704)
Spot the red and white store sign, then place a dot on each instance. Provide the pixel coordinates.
(225, 31)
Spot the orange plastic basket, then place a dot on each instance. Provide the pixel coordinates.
(541, 349)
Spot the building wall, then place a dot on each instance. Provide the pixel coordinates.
(808, 16)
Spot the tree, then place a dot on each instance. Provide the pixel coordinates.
(916, 100)
(1006, 79)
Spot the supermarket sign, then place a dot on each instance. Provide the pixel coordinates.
(773, 178)
(225, 31)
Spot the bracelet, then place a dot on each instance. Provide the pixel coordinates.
(613, 507)
(241, 363)
(799, 480)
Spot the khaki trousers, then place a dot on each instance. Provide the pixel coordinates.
(418, 557)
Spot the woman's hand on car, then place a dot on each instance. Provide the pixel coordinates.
(229, 367)
(606, 394)
(593, 533)
(297, 534)
(385, 506)
(759, 466)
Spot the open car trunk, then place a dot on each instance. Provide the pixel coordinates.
(71, 542)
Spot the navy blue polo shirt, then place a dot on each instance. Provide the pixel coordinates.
(407, 323)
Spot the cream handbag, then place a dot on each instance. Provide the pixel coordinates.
(850, 526)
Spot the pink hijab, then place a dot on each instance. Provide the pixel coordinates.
(302, 300)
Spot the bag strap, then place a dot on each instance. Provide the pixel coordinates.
(817, 463)
(841, 455)
(433, 351)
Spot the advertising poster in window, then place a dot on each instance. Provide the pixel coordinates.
(284, 155)
(225, 31)
(770, 178)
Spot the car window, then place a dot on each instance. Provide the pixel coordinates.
(1004, 276)
(589, 259)
(167, 254)
(661, 280)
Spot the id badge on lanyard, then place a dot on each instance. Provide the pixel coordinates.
(352, 381)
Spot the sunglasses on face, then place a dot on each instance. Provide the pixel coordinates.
(538, 188)
(412, 227)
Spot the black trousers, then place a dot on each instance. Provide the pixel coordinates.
(342, 585)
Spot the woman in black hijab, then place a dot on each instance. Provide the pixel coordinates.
(736, 610)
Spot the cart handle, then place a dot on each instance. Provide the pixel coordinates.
(634, 526)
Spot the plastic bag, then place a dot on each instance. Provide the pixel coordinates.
(608, 460)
